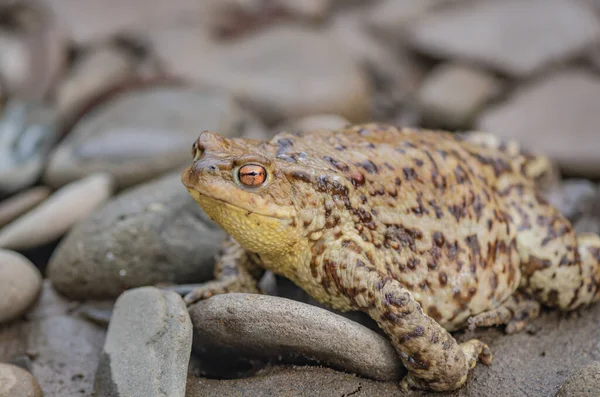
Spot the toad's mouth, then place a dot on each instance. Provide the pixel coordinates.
(208, 203)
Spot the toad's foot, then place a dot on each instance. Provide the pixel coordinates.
(515, 313)
(473, 350)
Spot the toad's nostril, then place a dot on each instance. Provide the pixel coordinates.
(212, 167)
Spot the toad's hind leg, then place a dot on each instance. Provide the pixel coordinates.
(533, 166)
(435, 361)
(559, 268)
(515, 312)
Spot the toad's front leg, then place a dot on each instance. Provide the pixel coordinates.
(434, 359)
(235, 271)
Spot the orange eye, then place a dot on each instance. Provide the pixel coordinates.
(252, 175)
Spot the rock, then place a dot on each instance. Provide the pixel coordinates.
(27, 134)
(149, 234)
(309, 73)
(66, 350)
(100, 20)
(22, 202)
(54, 217)
(315, 122)
(51, 304)
(393, 68)
(573, 197)
(140, 134)
(521, 366)
(561, 106)
(93, 73)
(271, 327)
(33, 47)
(583, 383)
(147, 347)
(452, 94)
(514, 37)
(307, 9)
(20, 283)
(16, 382)
(292, 381)
(389, 18)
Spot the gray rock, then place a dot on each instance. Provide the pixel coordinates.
(66, 350)
(573, 197)
(22, 202)
(390, 18)
(33, 45)
(515, 37)
(394, 67)
(314, 122)
(532, 363)
(308, 73)
(149, 234)
(147, 347)
(55, 216)
(27, 134)
(99, 21)
(583, 383)
(561, 107)
(16, 382)
(140, 134)
(452, 94)
(100, 68)
(20, 283)
(271, 327)
(301, 381)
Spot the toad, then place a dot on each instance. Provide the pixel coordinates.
(425, 231)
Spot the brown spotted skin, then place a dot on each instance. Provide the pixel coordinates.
(425, 231)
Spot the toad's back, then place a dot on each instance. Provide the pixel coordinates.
(422, 206)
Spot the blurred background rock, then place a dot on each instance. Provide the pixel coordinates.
(100, 101)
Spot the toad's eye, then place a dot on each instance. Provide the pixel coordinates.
(197, 151)
(252, 175)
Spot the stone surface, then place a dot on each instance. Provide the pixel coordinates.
(147, 347)
(393, 68)
(389, 18)
(20, 283)
(561, 107)
(16, 382)
(452, 94)
(573, 197)
(54, 217)
(100, 20)
(27, 134)
(280, 72)
(20, 203)
(515, 37)
(532, 363)
(270, 327)
(95, 71)
(33, 47)
(142, 133)
(149, 234)
(583, 383)
(315, 122)
(293, 382)
(66, 351)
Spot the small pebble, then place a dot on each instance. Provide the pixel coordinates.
(16, 382)
(20, 203)
(20, 283)
(58, 214)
